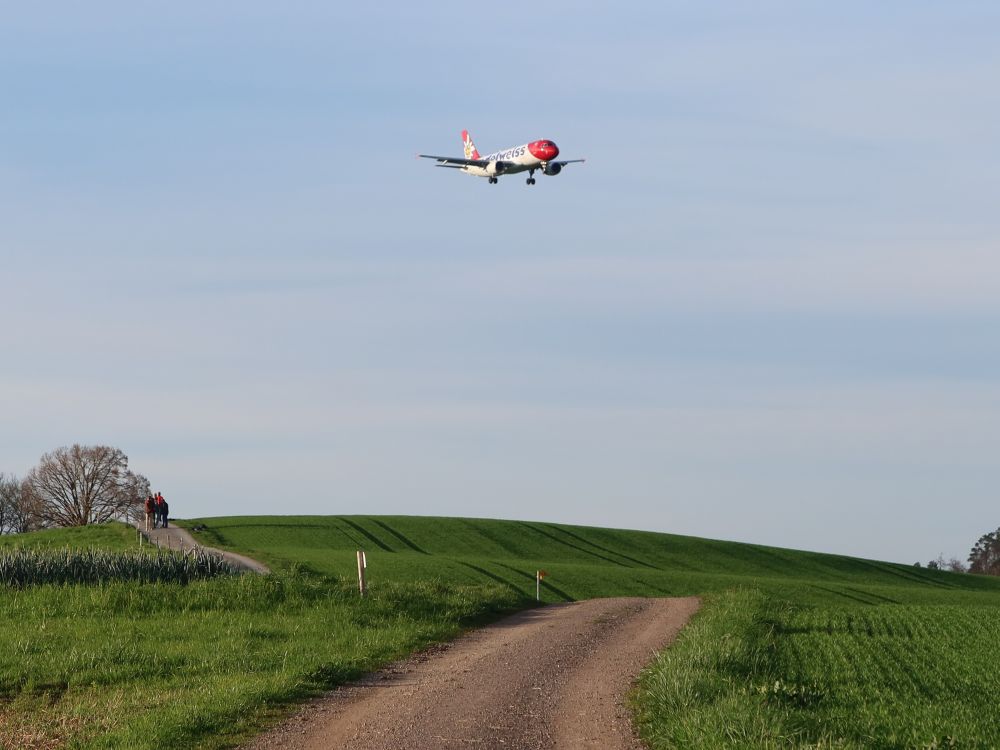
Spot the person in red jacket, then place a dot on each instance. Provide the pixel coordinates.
(161, 510)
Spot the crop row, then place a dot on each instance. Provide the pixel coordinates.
(905, 676)
(25, 567)
(751, 671)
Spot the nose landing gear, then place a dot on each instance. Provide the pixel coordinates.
(531, 177)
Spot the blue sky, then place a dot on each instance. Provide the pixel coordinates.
(765, 309)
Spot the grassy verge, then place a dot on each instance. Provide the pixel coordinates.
(753, 671)
(110, 536)
(695, 693)
(170, 666)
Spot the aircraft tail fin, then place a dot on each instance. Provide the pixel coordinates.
(471, 152)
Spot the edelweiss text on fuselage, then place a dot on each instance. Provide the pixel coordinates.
(512, 153)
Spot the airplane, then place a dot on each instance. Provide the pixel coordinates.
(537, 155)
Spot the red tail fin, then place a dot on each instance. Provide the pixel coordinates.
(471, 152)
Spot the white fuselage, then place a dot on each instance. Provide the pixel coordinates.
(509, 161)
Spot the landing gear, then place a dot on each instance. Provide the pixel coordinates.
(493, 180)
(531, 177)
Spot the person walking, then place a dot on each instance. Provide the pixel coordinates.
(150, 513)
(161, 510)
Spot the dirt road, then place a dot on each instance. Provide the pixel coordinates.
(554, 677)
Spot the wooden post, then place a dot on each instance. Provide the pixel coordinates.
(362, 564)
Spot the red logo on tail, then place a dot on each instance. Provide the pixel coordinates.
(471, 152)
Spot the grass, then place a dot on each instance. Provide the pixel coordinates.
(169, 666)
(792, 649)
(111, 536)
(45, 566)
(696, 693)
(98, 554)
(582, 562)
(914, 676)
(754, 671)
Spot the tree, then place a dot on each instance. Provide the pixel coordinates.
(985, 555)
(956, 566)
(83, 485)
(7, 486)
(17, 513)
(953, 565)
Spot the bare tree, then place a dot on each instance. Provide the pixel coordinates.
(7, 486)
(17, 512)
(953, 564)
(84, 484)
(136, 488)
(956, 566)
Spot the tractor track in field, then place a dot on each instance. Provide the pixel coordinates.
(552, 677)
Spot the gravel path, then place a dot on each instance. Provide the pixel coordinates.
(174, 537)
(554, 677)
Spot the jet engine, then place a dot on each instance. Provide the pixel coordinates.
(496, 167)
(552, 169)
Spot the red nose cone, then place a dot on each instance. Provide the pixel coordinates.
(544, 150)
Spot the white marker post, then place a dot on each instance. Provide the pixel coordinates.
(539, 575)
(362, 564)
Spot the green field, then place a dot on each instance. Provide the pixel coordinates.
(792, 649)
(582, 562)
(755, 671)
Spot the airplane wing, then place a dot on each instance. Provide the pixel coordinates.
(451, 161)
(568, 161)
